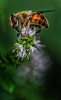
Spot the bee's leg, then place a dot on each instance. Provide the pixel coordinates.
(38, 31)
(36, 27)
(25, 23)
(28, 24)
(17, 32)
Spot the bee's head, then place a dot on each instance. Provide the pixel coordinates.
(13, 20)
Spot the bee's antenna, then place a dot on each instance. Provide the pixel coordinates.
(46, 11)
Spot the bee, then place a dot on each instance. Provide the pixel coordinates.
(30, 19)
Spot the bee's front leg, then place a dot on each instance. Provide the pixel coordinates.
(18, 32)
(27, 23)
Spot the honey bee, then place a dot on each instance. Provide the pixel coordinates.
(30, 19)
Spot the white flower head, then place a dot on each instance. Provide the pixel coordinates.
(27, 43)
(28, 31)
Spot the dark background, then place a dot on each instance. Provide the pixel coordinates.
(50, 37)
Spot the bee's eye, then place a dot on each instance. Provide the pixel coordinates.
(14, 19)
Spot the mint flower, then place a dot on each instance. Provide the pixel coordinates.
(28, 31)
(26, 43)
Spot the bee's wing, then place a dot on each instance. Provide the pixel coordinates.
(45, 11)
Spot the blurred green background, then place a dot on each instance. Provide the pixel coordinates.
(50, 37)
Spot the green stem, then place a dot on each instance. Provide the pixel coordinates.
(17, 61)
(5, 60)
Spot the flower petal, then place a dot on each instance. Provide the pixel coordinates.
(23, 31)
(32, 49)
